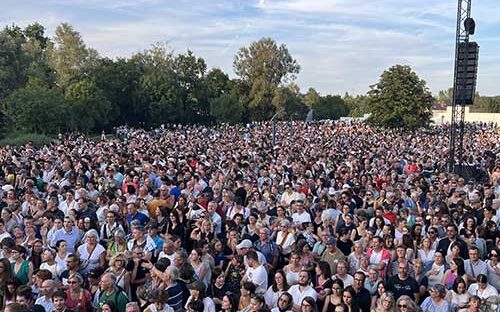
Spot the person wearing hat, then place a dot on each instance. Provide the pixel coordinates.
(117, 245)
(332, 255)
(91, 252)
(436, 302)
(244, 247)
(197, 292)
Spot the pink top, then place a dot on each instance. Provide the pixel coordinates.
(83, 302)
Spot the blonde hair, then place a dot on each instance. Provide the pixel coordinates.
(389, 296)
(78, 277)
(118, 255)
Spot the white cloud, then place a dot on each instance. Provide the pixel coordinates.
(342, 45)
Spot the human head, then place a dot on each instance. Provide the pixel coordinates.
(229, 302)
(308, 304)
(15, 307)
(108, 281)
(285, 301)
(304, 278)
(132, 307)
(47, 288)
(59, 299)
(252, 258)
(459, 285)
(72, 261)
(24, 296)
(473, 253)
(482, 281)
(438, 290)
(451, 231)
(256, 303)
(405, 304)
(323, 269)
(359, 280)
(197, 290)
(68, 223)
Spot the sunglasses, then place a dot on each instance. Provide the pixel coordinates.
(402, 306)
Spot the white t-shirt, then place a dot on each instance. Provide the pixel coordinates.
(301, 217)
(260, 255)
(436, 279)
(258, 276)
(483, 294)
(348, 280)
(298, 296)
(55, 269)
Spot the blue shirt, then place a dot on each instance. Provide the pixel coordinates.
(72, 238)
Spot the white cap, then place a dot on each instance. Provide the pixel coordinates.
(246, 243)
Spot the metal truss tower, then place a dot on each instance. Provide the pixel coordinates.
(464, 82)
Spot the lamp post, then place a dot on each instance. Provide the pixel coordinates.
(273, 121)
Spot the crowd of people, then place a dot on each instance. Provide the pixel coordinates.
(336, 216)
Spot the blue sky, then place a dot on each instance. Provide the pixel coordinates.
(341, 45)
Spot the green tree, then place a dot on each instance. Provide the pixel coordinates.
(487, 104)
(227, 108)
(160, 86)
(400, 99)
(216, 83)
(289, 100)
(330, 107)
(311, 97)
(88, 107)
(14, 61)
(445, 96)
(264, 66)
(190, 72)
(69, 56)
(35, 108)
(119, 81)
(357, 104)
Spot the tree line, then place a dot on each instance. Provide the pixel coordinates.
(59, 84)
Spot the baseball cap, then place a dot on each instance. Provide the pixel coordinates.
(246, 243)
(331, 240)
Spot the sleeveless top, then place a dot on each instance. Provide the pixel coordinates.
(450, 279)
(22, 274)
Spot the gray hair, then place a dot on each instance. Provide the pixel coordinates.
(89, 233)
(111, 276)
(78, 277)
(173, 272)
(412, 306)
(133, 305)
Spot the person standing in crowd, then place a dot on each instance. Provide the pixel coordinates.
(111, 293)
(302, 290)
(215, 202)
